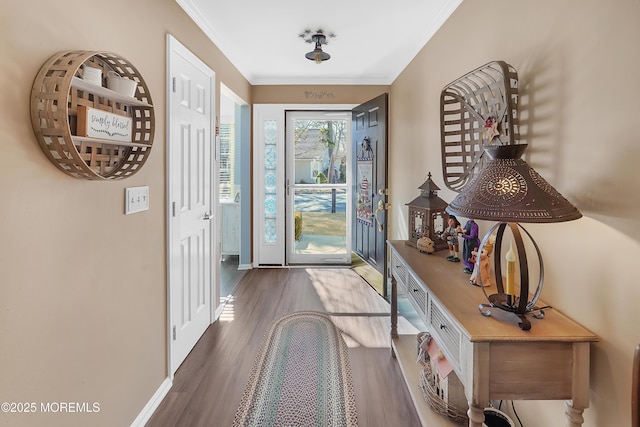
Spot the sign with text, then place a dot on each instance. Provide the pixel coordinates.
(96, 123)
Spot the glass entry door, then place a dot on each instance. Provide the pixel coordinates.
(318, 189)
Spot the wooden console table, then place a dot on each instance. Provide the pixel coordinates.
(492, 356)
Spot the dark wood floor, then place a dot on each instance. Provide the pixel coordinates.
(229, 274)
(207, 388)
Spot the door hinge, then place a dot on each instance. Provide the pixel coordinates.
(173, 84)
(173, 208)
(174, 332)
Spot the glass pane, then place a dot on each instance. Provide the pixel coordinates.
(320, 151)
(270, 230)
(270, 166)
(227, 160)
(320, 221)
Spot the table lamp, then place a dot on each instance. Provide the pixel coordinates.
(509, 191)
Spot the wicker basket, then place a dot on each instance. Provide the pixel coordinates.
(490, 91)
(433, 398)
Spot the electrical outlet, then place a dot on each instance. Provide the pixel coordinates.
(136, 199)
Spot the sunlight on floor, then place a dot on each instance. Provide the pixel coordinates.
(356, 308)
(313, 244)
(228, 313)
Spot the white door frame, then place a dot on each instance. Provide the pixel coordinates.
(242, 141)
(273, 254)
(173, 45)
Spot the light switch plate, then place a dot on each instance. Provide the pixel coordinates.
(136, 199)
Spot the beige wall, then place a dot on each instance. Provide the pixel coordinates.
(82, 286)
(577, 63)
(315, 94)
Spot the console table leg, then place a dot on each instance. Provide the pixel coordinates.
(574, 415)
(394, 307)
(476, 415)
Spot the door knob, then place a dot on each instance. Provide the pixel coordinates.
(381, 207)
(207, 216)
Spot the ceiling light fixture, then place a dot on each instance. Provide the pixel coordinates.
(319, 38)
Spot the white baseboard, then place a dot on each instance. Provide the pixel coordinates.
(153, 404)
(245, 266)
(219, 311)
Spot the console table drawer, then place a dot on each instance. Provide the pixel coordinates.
(399, 270)
(447, 334)
(418, 296)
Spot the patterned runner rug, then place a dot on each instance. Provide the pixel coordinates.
(301, 376)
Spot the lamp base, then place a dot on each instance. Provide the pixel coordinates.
(500, 301)
(513, 304)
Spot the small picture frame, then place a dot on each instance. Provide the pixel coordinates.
(94, 123)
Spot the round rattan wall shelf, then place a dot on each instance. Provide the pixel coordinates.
(57, 95)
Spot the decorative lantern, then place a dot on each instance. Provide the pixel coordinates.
(427, 216)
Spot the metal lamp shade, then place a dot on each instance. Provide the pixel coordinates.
(507, 189)
(317, 54)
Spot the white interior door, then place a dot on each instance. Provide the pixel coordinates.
(191, 192)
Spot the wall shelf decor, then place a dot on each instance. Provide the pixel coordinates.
(477, 110)
(59, 92)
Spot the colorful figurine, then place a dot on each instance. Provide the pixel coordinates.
(483, 266)
(450, 234)
(470, 235)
